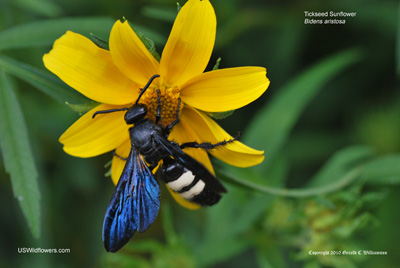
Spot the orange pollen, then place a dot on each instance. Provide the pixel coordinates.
(169, 103)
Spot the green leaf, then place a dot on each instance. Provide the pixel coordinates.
(123, 259)
(99, 42)
(168, 226)
(151, 34)
(270, 256)
(226, 223)
(45, 82)
(340, 163)
(163, 13)
(17, 155)
(221, 115)
(271, 126)
(213, 255)
(45, 32)
(148, 43)
(216, 66)
(6, 14)
(398, 42)
(383, 170)
(230, 221)
(82, 108)
(40, 7)
(145, 246)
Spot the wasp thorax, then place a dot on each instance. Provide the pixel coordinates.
(168, 98)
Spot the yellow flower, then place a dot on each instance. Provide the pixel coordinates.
(114, 78)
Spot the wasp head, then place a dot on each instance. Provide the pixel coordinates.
(136, 113)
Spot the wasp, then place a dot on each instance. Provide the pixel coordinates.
(135, 202)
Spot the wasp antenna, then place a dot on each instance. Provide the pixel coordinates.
(109, 111)
(146, 86)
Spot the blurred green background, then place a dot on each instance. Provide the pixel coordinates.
(329, 125)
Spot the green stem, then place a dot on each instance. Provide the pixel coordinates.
(295, 193)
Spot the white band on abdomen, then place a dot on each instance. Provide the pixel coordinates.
(184, 180)
(195, 190)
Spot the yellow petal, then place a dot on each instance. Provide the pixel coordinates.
(89, 137)
(207, 130)
(131, 55)
(118, 164)
(182, 201)
(190, 43)
(225, 89)
(182, 133)
(90, 70)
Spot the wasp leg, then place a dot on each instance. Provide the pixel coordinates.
(158, 115)
(208, 145)
(120, 157)
(176, 121)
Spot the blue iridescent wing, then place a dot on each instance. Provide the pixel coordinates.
(146, 196)
(134, 204)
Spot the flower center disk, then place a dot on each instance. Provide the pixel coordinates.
(169, 99)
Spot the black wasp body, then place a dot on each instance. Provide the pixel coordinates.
(135, 202)
(143, 135)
